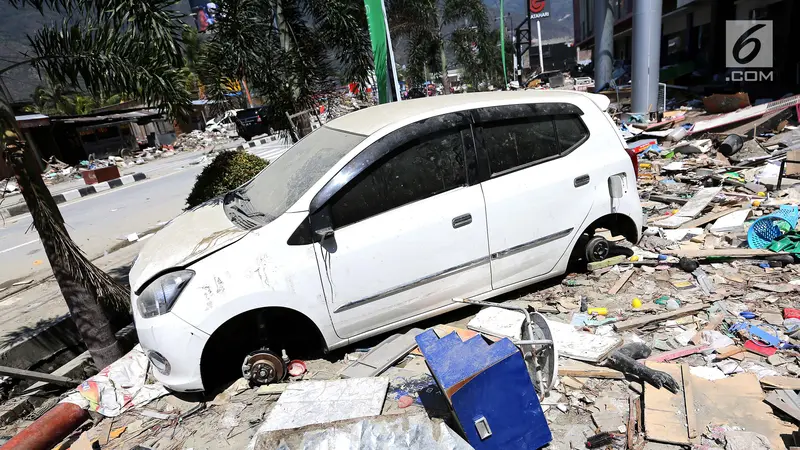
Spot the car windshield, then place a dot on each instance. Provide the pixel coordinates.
(287, 178)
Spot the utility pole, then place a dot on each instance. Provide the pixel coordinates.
(646, 56)
(603, 54)
(541, 55)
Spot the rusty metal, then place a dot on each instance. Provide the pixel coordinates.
(50, 429)
(263, 367)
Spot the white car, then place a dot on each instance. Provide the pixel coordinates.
(377, 220)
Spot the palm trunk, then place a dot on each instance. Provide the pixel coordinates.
(82, 284)
(445, 79)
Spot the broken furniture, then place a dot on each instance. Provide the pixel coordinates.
(489, 390)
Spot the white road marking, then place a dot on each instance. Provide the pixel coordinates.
(18, 246)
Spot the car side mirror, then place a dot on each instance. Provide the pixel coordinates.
(322, 224)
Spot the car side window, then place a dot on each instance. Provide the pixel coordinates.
(517, 142)
(414, 171)
(571, 131)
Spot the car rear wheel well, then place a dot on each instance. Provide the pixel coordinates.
(284, 329)
(617, 224)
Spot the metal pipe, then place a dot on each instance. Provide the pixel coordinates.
(603, 55)
(646, 56)
(50, 429)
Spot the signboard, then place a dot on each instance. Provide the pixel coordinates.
(539, 9)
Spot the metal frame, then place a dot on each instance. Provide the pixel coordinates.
(531, 349)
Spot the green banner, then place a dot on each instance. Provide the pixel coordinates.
(377, 32)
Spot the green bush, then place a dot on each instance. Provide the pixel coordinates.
(229, 170)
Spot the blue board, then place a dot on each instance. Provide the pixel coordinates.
(489, 381)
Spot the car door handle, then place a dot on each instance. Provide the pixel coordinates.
(582, 180)
(461, 221)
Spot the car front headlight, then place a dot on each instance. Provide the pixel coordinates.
(160, 295)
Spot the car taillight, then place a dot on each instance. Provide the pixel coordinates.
(634, 161)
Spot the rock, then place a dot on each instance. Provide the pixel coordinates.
(776, 360)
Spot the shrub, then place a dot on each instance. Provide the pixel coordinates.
(229, 170)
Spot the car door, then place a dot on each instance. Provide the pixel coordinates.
(409, 232)
(536, 186)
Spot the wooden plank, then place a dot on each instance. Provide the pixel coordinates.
(728, 352)
(573, 368)
(710, 217)
(642, 321)
(778, 382)
(665, 412)
(613, 261)
(621, 282)
(724, 252)
(631, 420)
(688, 399)
(737, 400)
(678, 353)
(38, 376)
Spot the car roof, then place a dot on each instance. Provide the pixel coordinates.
(367, 121)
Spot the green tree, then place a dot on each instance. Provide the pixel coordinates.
(104, 47)
(478, 52)
(286, 51)
(427, 25)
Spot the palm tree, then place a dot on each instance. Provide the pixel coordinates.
(427, 26)
(116, 47)
(478, 52)
(286, 51)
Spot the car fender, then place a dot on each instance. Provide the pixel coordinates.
(313, 309)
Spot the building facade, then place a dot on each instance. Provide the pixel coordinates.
(693, 39)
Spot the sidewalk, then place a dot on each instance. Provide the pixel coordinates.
(11, 205)
(34, 321)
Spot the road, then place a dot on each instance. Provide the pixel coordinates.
(99, 222)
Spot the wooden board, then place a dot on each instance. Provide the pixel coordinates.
(573, 368)
(724, 252)
(777, 382)
(710, 217)
(736, 401)
(621, 282)
(665, 412)
(642, 321)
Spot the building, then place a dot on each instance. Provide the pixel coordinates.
(558, 54)
(693, 39)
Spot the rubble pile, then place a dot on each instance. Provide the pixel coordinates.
(203, 140)
(687, 338)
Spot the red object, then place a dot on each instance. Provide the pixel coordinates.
(50, 429)
(678, 353)
(760, 349)
(296, 368)
(791, 313)
(537, 6)
(634, 161)
(95, 176)
(405, 401)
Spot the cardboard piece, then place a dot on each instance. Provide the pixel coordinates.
(778, 382)
(735, 401)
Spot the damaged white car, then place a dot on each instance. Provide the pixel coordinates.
(377, 220)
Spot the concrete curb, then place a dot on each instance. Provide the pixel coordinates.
(258, 142)
(63, 197)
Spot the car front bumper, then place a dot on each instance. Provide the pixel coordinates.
(168, 338)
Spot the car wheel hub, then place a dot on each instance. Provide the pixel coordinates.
(263, 367)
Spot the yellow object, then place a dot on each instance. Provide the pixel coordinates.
(762, 194)
(645, 165)
(599, 311)
(674, 211)
(756, 203)
(636, 303)
(634, 258)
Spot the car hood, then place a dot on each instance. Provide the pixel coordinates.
(186, 238)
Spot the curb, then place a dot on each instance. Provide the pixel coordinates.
(63, 197)
(252, 144)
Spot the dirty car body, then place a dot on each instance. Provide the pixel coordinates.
(381, 217)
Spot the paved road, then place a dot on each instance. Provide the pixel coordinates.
(101, 221)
